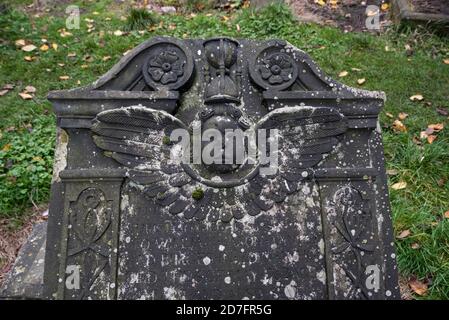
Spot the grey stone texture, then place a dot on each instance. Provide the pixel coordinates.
(130, 223)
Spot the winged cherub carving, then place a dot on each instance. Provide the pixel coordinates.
(137, 137)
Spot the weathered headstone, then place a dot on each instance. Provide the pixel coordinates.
(129, 220)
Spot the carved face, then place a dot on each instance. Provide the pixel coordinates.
(227, 121)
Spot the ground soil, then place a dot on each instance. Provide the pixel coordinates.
(431, 6)
(349, 15)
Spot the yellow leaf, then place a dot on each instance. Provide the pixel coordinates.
(54, 46)
(29, 48)
(404, 234)
(20, 43)
(436, 127)
(385, 6)
(446, 61)
(416, 97)
(25, 96)
(64, 78)
(402, 115)
(361, 81)
(446, 214)
(44, 47)
(418, 287)
(6, 147)
(343, 74)
(30, 89)
(399, 185)
(106, 58)
(320, 2)
(71, 54)
(389, 115)
(28, 58)
(399, 126)
(431, 138)
(118, 33)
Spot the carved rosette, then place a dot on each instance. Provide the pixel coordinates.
(168, 66)
(273, 67)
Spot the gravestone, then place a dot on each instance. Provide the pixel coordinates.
(137, 214)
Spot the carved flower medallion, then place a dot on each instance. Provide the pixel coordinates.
(166, 67)
(276, 68)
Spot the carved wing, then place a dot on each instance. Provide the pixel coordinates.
(305, 136)
(137, 137)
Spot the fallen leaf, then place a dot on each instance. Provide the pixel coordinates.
(3, 92)
(320, 2)
(237, 26)
(44, 47)
(404, 234)
(418, 287)
(399, 185)
(20, 43)
(71, 54)
(437, 127)
(446, 61)
(385, 6)
(64, 78)
(30, 89)
(64, 33)
(399, 126)
(118, 33)
(356, 69)
(6, 147)
(416, 97)
(361, 81)
(390, 115)
(441, 182)
(402, 115)
(446, 214)
(343, 74)
(423, 135)
(54, 46)
(415, 246)
(28, 58)
(8, 86)
(442, 111)
(392, 172)
(25, 96)
(106, 58)
(29, 48)
(431, 138)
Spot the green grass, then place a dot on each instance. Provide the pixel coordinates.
(24, 177)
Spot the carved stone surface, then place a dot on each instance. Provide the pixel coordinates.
(128, 220)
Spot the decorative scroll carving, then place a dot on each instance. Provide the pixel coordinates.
(89, 240)
(136, 138)
(354, 223)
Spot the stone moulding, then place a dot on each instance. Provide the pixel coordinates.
(118, 197)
